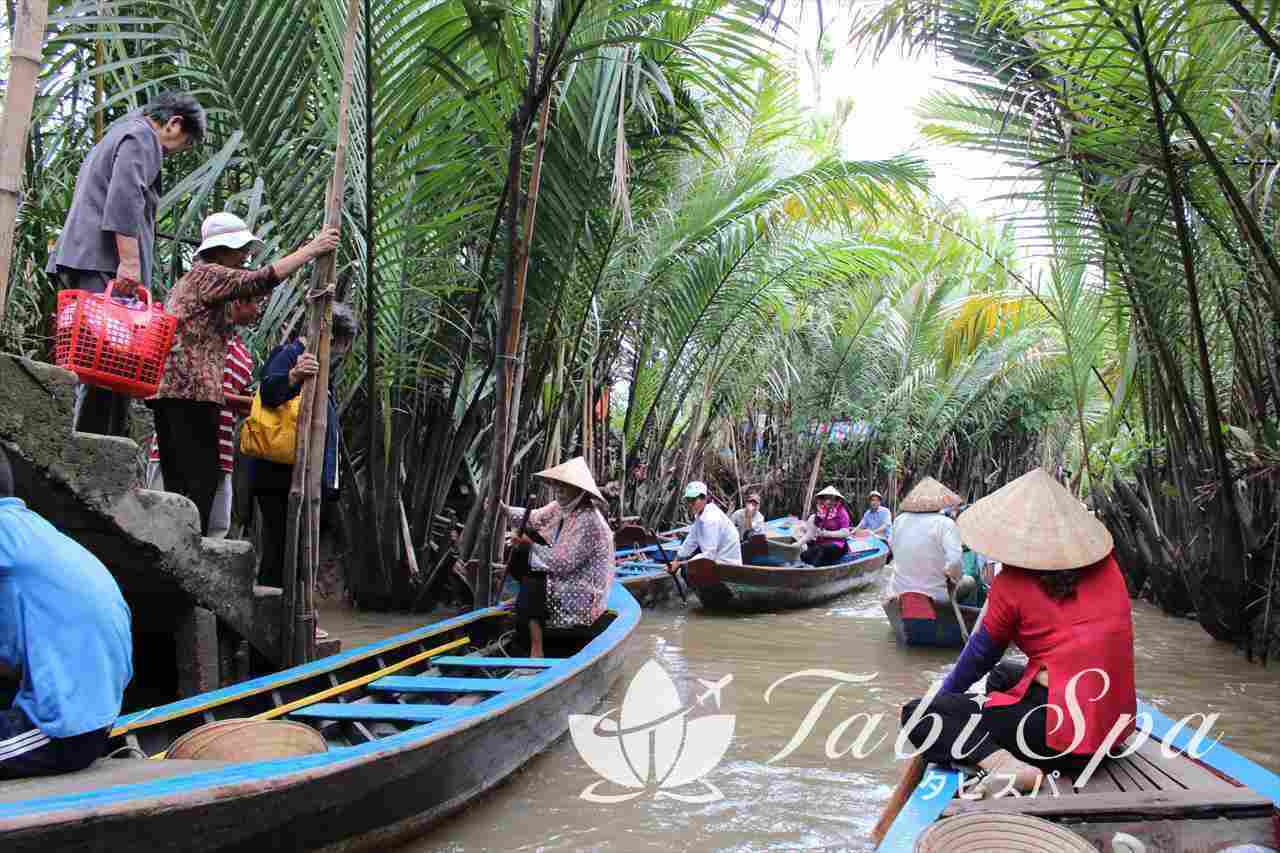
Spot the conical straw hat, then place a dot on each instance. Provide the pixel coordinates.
(1035, 523)
(830, 492)
(576, 473)
(1000, 832)
(929, 496)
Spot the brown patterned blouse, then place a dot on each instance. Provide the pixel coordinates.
(579, 564)
(199, 301)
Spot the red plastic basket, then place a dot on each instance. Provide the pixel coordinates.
(113, 345)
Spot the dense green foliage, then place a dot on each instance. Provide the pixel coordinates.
(710, 281)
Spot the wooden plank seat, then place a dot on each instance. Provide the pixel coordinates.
(495, 663)
(1126, 806)
(440, 684)
(1145, 783)
(364, 711)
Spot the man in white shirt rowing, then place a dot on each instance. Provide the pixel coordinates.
(711, 533)
(926, 543)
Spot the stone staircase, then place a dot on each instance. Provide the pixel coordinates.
(171, 576)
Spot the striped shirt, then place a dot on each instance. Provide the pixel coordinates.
(237, 373)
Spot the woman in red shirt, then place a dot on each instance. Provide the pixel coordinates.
(1062, 600)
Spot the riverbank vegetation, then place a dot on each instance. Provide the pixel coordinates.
(612, 229)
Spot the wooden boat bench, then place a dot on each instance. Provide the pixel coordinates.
(493, 663)
(440, 684)
(1172, 804)
(371, 711)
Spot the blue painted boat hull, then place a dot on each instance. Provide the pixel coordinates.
(363, 797)
(1253, 823)
(942, 632)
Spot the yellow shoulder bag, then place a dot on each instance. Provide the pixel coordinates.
(271, 434)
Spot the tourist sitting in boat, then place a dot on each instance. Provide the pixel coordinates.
(711, 534)
(1062, 599)
(971, 589)
(829, 528)
(877, 520)
(571, 573)
(749, 519)
(65, 645)
(926, 543)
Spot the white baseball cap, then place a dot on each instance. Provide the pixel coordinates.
(696, 489)
(225, 229)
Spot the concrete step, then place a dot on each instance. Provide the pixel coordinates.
(86, 485)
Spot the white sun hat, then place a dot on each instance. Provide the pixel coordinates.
(696, 489)
(830, 492)
(225, 229)
(574, 473)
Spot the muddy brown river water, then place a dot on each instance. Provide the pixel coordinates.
(805, 799)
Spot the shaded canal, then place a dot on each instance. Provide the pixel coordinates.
(805, 799)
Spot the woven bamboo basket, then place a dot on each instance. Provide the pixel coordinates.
(247, 740)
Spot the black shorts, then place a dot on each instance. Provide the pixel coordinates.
(27, 751)
(531, 600)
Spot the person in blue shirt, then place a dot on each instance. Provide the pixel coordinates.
(66, 652)
(877, 520)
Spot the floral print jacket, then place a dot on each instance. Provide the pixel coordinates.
(199, 301)
(579, 563)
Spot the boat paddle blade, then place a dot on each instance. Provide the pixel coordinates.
(911, 776)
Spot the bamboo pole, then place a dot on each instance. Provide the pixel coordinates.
(298, 642)
(374, 466)
(30, 18)
(813, 477)
(512, 296)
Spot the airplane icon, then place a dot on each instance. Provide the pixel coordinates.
(714, 688)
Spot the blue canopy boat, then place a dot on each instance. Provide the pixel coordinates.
(416, 726)
(1160, 795)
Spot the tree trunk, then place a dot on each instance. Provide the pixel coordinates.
(24, 70)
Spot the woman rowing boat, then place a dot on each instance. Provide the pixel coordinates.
(1062, 599)
(572, 572)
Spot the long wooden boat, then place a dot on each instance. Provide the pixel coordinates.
(734, 586)
(928, 623)
(417, 725)
(1160, 795)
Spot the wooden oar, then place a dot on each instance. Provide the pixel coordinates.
(907, 785)
(675, 576)
(952, 589)
(914, 772)
(339, 689)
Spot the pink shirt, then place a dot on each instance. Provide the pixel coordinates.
(837, 519)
